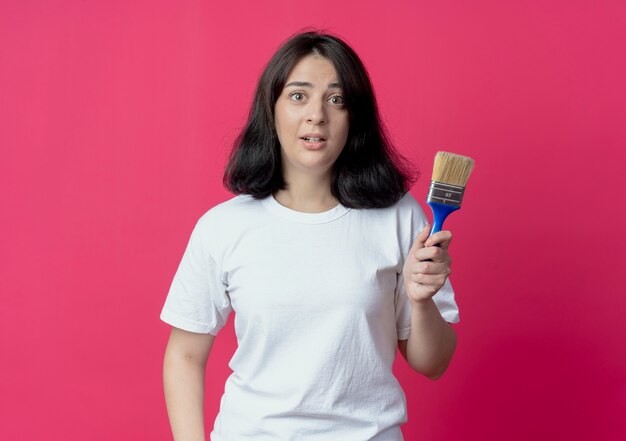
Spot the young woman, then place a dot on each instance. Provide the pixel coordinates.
(322, 256)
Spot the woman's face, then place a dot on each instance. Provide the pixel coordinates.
(311, 118)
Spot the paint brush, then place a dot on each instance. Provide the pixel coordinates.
(450, 175)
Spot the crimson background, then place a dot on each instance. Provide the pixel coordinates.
(115, 121)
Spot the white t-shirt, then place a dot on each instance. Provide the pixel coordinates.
(319, 308)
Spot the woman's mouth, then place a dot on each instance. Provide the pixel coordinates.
(313, 142)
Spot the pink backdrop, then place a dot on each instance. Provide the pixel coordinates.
(115, 121)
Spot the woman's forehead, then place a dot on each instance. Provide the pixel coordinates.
(313, 71)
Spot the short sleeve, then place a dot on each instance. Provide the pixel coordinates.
(198, 298)
(444, 298)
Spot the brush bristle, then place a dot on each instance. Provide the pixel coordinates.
(452, 169)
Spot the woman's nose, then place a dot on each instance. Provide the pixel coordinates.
(316, 113)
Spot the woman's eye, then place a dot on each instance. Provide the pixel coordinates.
(296, 96)
(336, 99)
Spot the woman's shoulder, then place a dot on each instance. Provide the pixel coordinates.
(405, 211)
(224, 221)
(230, 209)
(408, 200)
(409, 207)
(408, 204)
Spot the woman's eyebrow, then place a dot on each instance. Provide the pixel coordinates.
(307, 84)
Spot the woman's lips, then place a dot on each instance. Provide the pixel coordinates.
(314, 145)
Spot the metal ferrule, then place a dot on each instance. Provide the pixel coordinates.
(445, 193)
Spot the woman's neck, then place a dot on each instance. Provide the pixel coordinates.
(307, 195)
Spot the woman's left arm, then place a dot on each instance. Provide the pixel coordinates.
(432, 340)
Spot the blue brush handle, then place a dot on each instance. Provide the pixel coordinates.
(440, 213)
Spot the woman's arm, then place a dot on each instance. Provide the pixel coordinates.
(431, 343)
(184, 368)
(432, 340)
